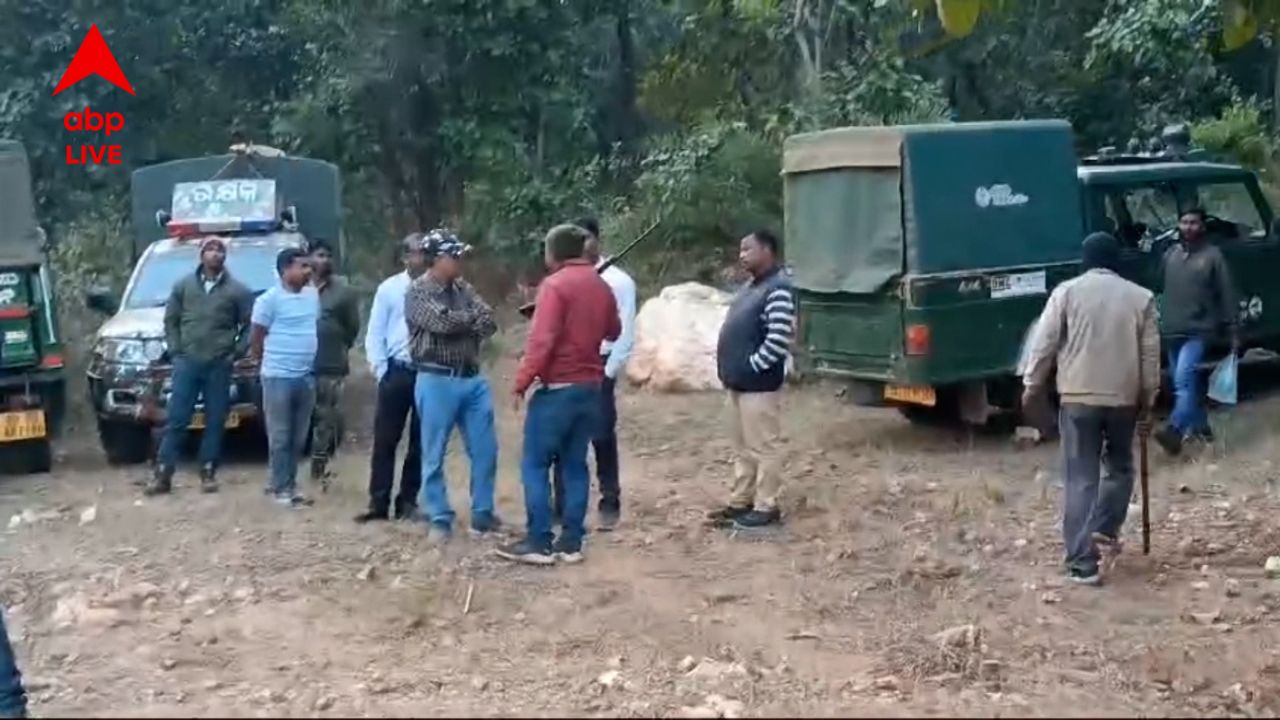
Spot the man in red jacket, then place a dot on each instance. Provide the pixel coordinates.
(575, 313)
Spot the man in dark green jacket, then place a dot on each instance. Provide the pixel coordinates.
(338, 328)
(206, 324)
(1200, 307)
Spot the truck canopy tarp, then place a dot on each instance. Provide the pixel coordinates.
(847, 229)
(19, 234)
(968, 196)
(312, 186)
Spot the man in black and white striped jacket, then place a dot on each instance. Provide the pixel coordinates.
(752, 353)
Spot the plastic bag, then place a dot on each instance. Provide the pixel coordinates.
(1222, 383)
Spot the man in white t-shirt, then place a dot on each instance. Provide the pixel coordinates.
(615, 355)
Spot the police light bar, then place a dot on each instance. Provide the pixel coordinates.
(219, 225)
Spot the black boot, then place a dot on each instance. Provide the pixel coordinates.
(208, 479)
(161, 482)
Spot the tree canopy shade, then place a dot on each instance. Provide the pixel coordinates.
(503, 117)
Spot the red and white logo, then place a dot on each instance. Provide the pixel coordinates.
(94, 58)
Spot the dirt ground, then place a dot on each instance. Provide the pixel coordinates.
(229, 606)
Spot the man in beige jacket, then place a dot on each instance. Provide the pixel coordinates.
(1101, 333)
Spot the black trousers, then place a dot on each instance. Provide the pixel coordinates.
(604, 443)
(395, 405)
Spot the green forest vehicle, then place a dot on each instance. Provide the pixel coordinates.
(32, 376)
(924, 254)
(259, 205)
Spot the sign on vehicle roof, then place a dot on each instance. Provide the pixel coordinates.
(238, 200)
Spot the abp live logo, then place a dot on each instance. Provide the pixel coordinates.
(94, 58)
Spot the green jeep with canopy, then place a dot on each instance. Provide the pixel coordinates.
(32, 372)
(924, 254)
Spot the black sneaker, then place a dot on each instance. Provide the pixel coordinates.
(726, 515)
(757, 519)
(1084, 577)
(563, 551)
(526, 552)
(407, 511)
(161, 483)
(1169, 439)
(369, 516)
(208, 479)
(608, 519)
(485, 526)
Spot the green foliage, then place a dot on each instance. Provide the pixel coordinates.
(1240, 133)
(503, 117)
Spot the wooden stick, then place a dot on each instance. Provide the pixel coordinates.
(1146, 504)
(471, 588)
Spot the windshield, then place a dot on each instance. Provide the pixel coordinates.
(253, 265)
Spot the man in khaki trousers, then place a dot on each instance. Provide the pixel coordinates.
(751, 355)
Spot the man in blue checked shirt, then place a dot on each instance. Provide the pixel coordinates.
(386, 345)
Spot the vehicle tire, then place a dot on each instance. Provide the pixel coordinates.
(38, 456)
(28, 457)
(125, 443)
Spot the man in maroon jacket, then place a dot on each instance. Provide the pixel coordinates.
(575, 313)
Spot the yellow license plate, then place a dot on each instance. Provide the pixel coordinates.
(913, 394)
(23, 425)
(198, 421)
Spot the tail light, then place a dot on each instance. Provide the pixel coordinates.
(51, 361)
(917, 339)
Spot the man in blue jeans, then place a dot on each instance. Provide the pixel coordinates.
(575, 313)
(1199, 306)
(13, 699)
(447, 321)
(206, 323)
(283, 340)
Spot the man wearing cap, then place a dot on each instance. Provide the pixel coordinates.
(447, 321)
(386, 346)
(206, 323)
(1101, 333)
(575, 313)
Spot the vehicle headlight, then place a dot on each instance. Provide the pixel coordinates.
(128, 351)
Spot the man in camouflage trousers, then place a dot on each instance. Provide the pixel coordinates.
(336, 333)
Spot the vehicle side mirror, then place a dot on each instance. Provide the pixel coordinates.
(102, 300)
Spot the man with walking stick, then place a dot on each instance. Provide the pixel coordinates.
(1101, 333)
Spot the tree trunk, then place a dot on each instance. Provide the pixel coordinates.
(1275, 81)
(628, 115)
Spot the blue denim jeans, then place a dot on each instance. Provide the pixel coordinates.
(287, 404)
(558, 427)
(193, 379)
(444, 403)
(1189, 414)
(13, 700)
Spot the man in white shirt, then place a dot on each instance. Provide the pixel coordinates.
(386, 345)
(615, 355)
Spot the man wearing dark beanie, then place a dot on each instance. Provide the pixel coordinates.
(1101, 333)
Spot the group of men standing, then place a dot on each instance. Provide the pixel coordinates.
(296, 334)
(423, 343)
(1102, 335)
